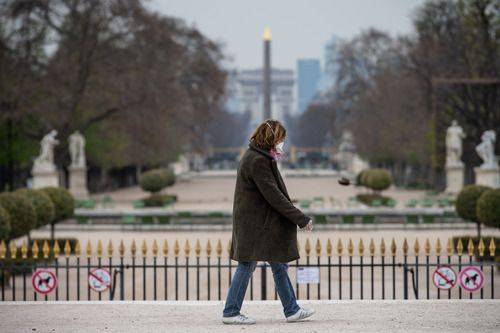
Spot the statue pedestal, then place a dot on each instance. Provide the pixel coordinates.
(489, 176)
(78, 182)
(45, 179)
(454, 178)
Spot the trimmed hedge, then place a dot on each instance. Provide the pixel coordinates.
(44, 207)
(63, 201)
(4, 224)
(466, 203)
(488, 208)
(376, 179)
(155, 180)
(157, 200)
(21, 212)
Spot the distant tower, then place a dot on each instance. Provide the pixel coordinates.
(267, 74)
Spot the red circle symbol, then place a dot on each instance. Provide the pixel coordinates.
(43, 281)
(99, 279)
(444, 277)
(471, 278)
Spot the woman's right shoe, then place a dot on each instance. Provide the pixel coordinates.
(299, 315)
(240, 319)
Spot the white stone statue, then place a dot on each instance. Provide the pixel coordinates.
(347, 151)
(454, 137)
(486, 150)
(77, 150)
(45, 161)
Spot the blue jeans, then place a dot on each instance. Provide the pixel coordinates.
(239, 284)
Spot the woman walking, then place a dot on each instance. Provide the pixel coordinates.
(264, 224)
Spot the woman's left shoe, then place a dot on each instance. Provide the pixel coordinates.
(300, 315)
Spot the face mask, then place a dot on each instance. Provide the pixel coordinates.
(279, 147)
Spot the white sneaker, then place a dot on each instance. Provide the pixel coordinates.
(301, 314)
(240, 319)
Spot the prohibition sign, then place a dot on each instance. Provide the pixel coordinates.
(99, 279)
(444, 277)
(471, 278)
(43, 281)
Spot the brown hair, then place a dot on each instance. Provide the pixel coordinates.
(268, 134)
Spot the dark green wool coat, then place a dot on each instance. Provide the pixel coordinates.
(264, 219)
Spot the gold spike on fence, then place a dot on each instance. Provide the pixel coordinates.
(45, 249)
(350, 248)
(382, 248)
(318, 248)
(329, 247)
(24, 250)
(427, 247)
(3, 249)
(154, 249)
(13, 249)
(492, 247)
(34, 250)
(470, 247)
(438, 247)
(88, 249)
(176, 248)
(197, 248)
(449, 247)
(361, 247)
(460, 247)
(187, 249)
(218, 248)
(372, 247)
(340, 248)
(393, 247)
(99, 249)
(308, 247)
(480, 247)
(67, 249)
(164, 248)
(110, 249)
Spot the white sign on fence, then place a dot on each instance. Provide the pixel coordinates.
(307, 275)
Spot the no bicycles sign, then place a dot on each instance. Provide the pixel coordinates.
(444, 277)
(99, 279)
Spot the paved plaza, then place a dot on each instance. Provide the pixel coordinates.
(199, 317)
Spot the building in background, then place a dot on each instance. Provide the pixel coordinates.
(245, 93)
(308, 78)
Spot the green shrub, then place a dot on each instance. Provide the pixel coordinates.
(42, 203)
(156, 180)
(157, 200)
(4, 224)
(21, 212)
(359, 178)
(376, 179)
(372, 198)
(488, 208)
(466, 203)
(63, 201)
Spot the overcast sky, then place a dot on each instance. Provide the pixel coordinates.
(299, 28)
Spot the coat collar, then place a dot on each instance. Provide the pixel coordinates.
(253, 146)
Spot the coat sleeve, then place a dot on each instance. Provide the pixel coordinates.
(262, 175)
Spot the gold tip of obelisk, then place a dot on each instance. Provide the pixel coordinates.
(267, 34)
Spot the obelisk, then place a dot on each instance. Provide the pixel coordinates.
(267, 74)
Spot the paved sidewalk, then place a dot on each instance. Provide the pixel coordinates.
(204, 316)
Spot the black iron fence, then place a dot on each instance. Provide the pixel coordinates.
(382, 272)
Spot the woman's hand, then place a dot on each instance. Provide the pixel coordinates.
(309, 226)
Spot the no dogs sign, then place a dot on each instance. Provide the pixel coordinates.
(43, 281)
(471, 278)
